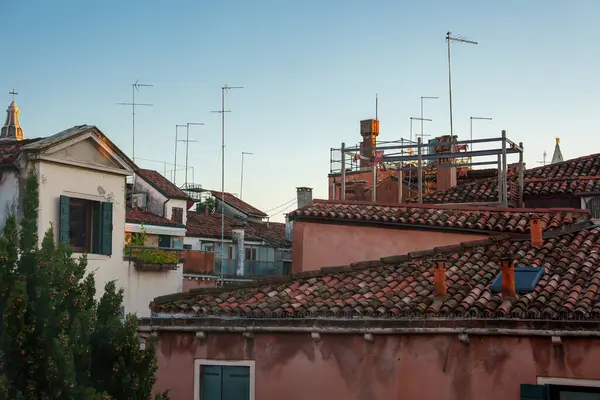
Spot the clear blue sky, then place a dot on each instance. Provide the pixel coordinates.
(310, 70)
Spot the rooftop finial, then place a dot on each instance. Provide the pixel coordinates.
(557, 140)
(557, 156)
(12, 128)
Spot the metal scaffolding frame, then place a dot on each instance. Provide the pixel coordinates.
(409, 152)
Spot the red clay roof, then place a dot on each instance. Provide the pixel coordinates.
(576, 176)
(162, 184)
(239, 204)
(137, 216)
(10, 149)
(209, 226)
(514, 220)
(401, 287)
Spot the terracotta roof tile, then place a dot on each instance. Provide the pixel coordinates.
(568, 289)
(209, 226)
(10, 149)
(137, 216)
(575, 176)
(162, 184)
(239, 204)
(466, 218)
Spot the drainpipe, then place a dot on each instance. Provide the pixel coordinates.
(165, 208)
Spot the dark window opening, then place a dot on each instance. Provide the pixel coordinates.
(178, 215)
(164, 241)
(222, 382)
(187, 246)
(85, 225)
(80, 226)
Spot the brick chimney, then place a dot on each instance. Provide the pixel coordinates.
(445, 175)
(535, 226)
(508, 277)
(304, 196)
(369, 130)
(237, 235)
(439, 277)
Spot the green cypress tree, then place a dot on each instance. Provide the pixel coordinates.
(56, 341)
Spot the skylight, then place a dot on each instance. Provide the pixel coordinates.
(525, 279)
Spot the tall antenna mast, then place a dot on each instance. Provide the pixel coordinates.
(222, 111)
(543, 162)
(376, 106)
(135, 87)
(450, 39)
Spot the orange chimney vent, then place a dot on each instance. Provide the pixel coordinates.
(439, 277)
(535, 226)
(508, 277)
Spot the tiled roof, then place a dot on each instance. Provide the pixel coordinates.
(10, 149)
(402, 287)
(239, 204)
(513, 220)
(137, 216)
(162, 184)
(209, 226)
(576, 176)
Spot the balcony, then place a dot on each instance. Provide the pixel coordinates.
(153, 258)
(252, 268)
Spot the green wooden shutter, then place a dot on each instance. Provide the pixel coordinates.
(236, 383)
(210, 378)
(107, 228)
(97, 228)
(534, 392)
(64, 233)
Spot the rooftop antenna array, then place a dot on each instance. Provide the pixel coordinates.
(449, 39)
(544, 155)
(135, 87)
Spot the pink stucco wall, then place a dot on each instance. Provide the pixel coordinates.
(316, 244)
(420, 367)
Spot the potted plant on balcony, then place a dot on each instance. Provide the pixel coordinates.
(149, 258)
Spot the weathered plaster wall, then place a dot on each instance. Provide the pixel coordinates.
(420, 367)
(316, 245)
(9, 195)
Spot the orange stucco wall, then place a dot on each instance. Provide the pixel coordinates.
(420, 367)
(316, 245)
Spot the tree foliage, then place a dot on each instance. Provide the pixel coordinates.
(56, 340)
(209, 203)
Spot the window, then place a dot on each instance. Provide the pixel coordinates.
(223, 380)
(207, 246)
(559, 392)
(177, 243)
(594, 206)
(187, 246)
(164, 241)
(85, 225)
(178, 215)
(525, 279)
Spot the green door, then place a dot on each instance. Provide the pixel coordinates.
(222, 382)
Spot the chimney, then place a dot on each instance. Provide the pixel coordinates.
(304, 195)
(206, 210)
(445, 175)
(237, 234)
(535, 226)
(508, 277)
(439, 277)
(369, 130)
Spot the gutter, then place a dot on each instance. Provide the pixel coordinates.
(404, 225)
(377, 331)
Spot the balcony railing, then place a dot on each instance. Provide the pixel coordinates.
(153, 258)
(251, 267)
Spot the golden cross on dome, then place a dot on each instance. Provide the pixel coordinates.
(13, 94)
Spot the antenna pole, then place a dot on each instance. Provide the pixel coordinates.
(187, 144)
(423, 98)
(450, 39)
(242, 178)
(376, 106)
(135, 86)
(224, 89)
(175, 163)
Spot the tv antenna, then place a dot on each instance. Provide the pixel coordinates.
(543, 162)
(449, 39)
(135, 87)
(376, 106)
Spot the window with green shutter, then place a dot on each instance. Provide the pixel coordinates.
(224, 382)
(534, 392)
(85, 225)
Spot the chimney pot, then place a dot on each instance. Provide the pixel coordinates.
(535, 226)
(439, 278)
(304, 196)
(206, 210)
(508, 277)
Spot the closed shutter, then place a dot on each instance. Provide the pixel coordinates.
(97, 227)
(107, 228)
(236, 383)
(534, 392)
(65, 220)
(210, 377)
